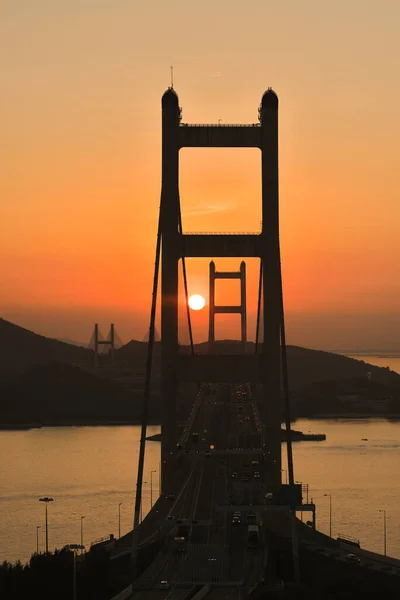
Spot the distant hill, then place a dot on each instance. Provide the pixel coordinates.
(73, 342)
(20, 347)
(58, 393)
(43, 379)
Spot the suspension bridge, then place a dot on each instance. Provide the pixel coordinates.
(225, 525)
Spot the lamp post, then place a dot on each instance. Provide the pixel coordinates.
(119, 520)
(74, 548)
(151, 487)
(141, 501)
(46, 500)
(82, 530)
(37, 538)
(285, 471)
(330, 514)
(384, 530)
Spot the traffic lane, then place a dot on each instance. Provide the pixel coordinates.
(205, 500)
(237, 542)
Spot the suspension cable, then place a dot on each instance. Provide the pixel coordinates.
(259, 305)
(145, 407)
(285, 377)
(185, 281)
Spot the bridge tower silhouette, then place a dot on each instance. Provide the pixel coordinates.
(262, 370)
(98, 343)
(218, 309)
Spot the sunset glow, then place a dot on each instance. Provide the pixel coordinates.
(80, 157)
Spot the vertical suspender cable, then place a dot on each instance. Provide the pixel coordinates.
(145, 409)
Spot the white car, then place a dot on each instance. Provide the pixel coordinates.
(164, 585)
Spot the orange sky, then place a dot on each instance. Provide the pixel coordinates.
(80, 156)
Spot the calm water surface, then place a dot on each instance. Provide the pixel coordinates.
(393, 362)
(90, 470)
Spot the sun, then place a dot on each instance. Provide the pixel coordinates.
(197, 302)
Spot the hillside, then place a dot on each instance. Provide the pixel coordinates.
(57, 393)
(48, 381)
(20, 348)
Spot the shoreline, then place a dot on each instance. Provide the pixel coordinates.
(29, 426)
(137, 422)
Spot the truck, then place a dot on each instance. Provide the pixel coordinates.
(253, 536)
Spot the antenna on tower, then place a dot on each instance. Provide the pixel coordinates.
(172, 76)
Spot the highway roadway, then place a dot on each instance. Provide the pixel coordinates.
(214, 553)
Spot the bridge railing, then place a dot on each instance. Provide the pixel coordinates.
(192, 415)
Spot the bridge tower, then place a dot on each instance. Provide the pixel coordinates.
(215, 309)
(99, 341)
(264, 369)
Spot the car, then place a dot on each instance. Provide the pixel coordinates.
(353, 558)
(236, 521)
(234, 475)
(256, 475)
(164, 585)
(171, 517)
(170, 497)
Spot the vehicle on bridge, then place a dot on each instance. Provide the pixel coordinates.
(182, 537)
(253, 536)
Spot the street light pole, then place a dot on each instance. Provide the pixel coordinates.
(74, 548)
(82, 530)
(141, 501)
(119, 520)
(330, 514)
(384, 530)
(37, 538)
(46, 500)
(151, 487)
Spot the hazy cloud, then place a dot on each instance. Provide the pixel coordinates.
(209, 209)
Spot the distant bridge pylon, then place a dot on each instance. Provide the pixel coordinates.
(104, 345)
(157, 336)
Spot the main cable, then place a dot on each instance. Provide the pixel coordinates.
(185, 285)
(146, 402)
(259, 305)
(285, 377)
